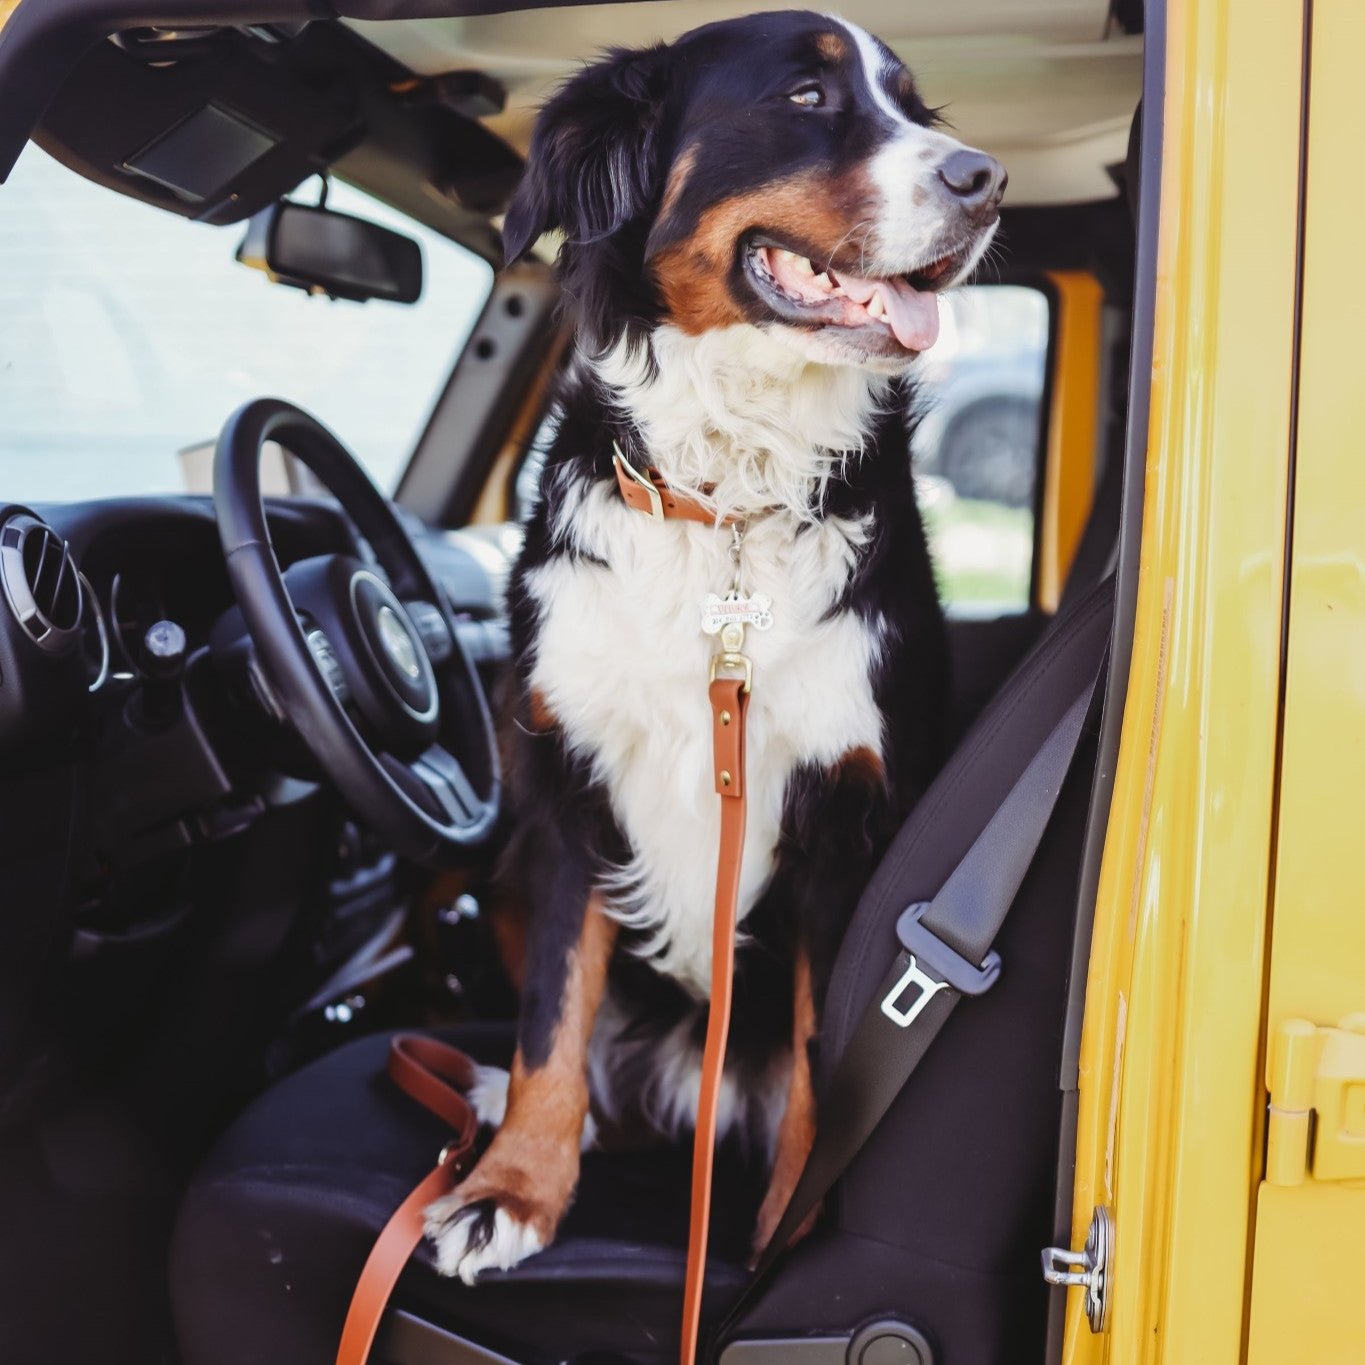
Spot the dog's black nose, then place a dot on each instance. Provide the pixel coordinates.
(975, 180)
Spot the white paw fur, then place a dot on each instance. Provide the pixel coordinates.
(511, 1242)
(488, 1095)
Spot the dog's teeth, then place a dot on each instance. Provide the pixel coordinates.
(802, 266)
(876, 308)
(824, 281)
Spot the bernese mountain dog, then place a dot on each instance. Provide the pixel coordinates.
(757, 221)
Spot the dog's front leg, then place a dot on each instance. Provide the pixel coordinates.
(796, 1131)
(511, 1205)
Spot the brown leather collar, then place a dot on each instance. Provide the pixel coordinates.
(649, 493)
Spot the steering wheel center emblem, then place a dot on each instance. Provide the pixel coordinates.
(398, 643)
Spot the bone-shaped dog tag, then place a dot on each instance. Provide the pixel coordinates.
(733, 608)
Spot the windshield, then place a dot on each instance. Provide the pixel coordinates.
(130, 334)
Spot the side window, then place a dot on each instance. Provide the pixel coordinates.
(978, 444)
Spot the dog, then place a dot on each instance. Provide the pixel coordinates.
(758, 219)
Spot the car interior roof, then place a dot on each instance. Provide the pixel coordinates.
(1049, 86)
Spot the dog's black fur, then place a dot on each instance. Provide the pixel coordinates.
(834, 825)
(630, 161)
(603, 147)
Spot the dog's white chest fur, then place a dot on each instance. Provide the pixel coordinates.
(621, 661)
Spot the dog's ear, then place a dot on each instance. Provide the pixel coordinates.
(595, 159)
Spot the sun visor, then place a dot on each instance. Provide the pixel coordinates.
(46, 47)
(216, 137)
(217, 124)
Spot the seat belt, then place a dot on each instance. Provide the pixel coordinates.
(945, 954)
(942, 941)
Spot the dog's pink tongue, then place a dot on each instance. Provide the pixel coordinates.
(912, 313)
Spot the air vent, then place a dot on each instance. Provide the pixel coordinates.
(40, 582)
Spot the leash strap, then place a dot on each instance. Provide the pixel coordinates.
(729, 700)
(436, 1076)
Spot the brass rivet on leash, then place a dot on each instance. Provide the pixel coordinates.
(724, 778)
(725, 718)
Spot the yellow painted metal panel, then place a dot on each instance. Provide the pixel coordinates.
(1073, 420)
(1170, 1087)
(1306, 1299)
(1309, 1267)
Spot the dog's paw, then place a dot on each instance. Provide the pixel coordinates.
(474, 1235)
(488, 1095)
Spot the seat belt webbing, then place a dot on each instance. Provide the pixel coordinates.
(942, 943)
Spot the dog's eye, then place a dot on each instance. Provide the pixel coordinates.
(810, 96)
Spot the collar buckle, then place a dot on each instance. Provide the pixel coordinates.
(624, 467)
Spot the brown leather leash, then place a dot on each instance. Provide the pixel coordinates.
(729, 703)
(435, 1074)
(648, 492)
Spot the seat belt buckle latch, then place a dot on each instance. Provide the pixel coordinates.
(927, 987)
(949, 968)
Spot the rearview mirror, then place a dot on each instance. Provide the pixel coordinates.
(331, 253)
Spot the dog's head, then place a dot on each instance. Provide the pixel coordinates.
(779, 169)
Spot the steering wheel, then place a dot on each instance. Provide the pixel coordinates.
(366, 665)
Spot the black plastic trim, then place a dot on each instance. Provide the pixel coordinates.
(406, 1339)
(482, 397)
(1125, 615)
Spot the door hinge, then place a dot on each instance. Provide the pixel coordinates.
(1316, 1124)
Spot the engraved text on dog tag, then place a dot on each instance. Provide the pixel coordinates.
(733, 608)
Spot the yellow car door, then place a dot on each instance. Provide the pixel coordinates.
(1229, 948)
(1308, 1260)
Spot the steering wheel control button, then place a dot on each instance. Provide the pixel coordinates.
(431, 626)
(320, 647)
(398, 644)
(445, 780)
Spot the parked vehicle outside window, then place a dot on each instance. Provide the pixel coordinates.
(977, 447)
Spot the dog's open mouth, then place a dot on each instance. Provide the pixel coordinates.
(903, 307)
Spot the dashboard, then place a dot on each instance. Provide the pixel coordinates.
(97, 596)
(164, 836)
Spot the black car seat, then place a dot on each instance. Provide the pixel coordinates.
(938, 1221)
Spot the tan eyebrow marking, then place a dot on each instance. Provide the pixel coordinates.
(831, 47)
(677, 180)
